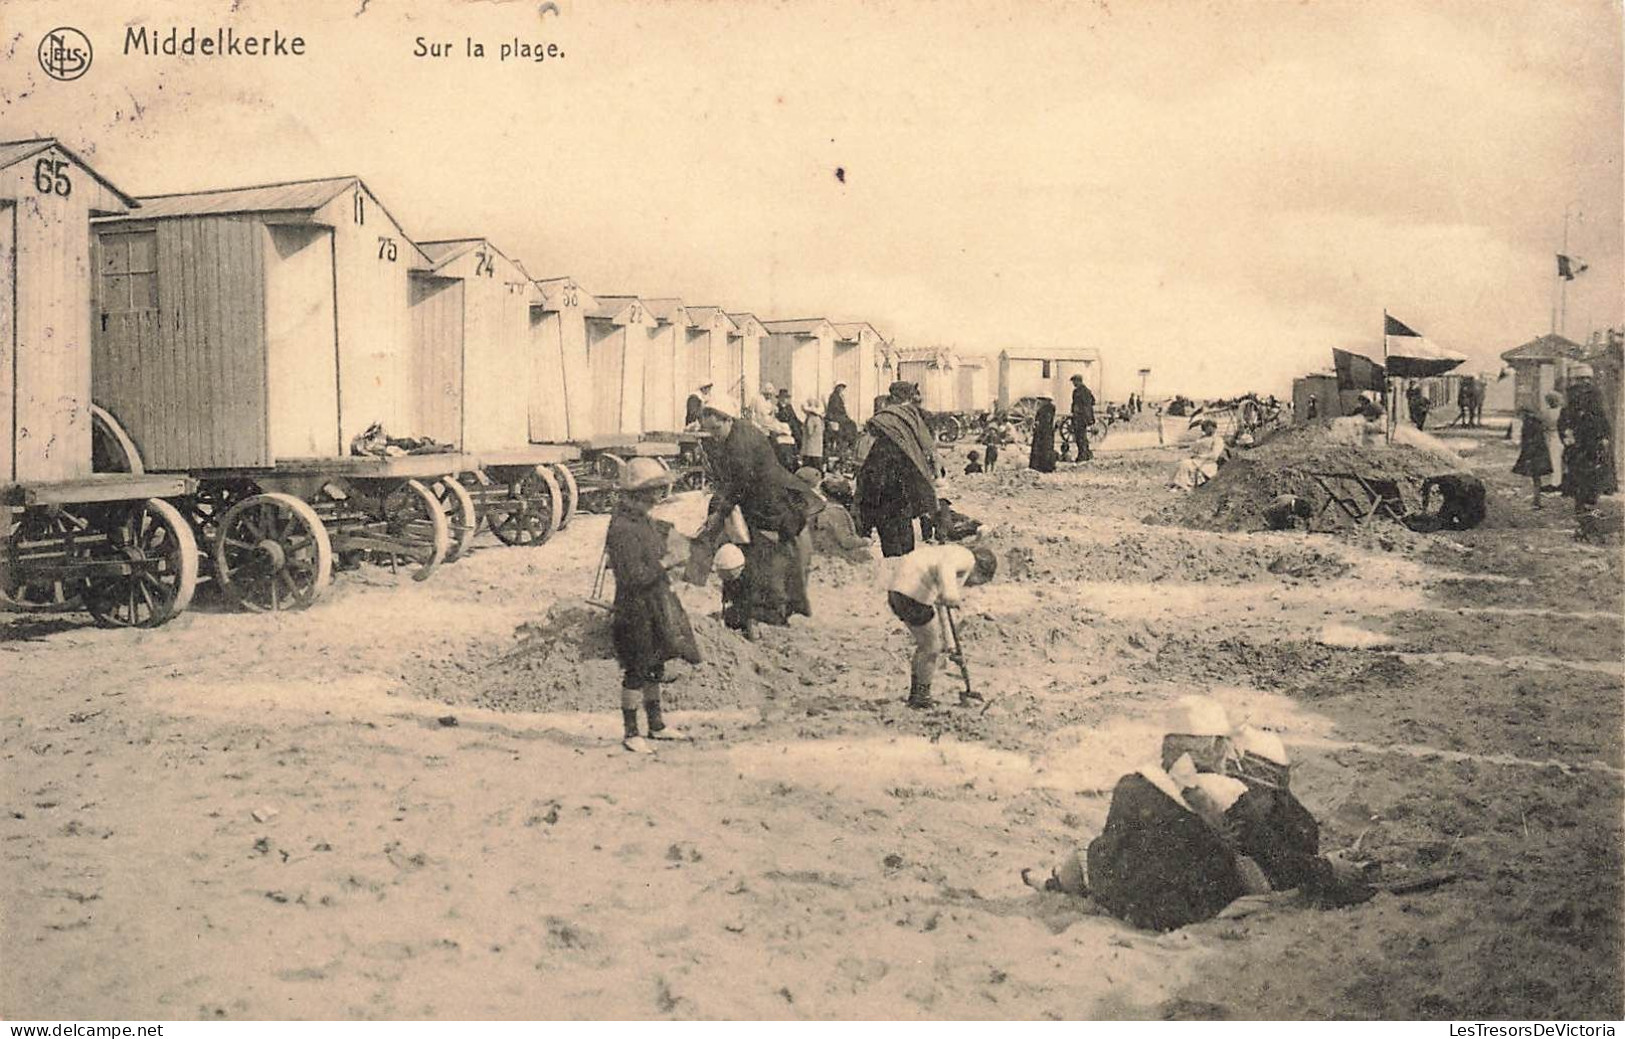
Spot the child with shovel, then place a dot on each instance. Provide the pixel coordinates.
(929, 577)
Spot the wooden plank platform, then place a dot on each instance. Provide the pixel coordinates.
(616, 442)
(365, 466)
(98, 488)
(683, 436)
(654, 449)
(532, 454)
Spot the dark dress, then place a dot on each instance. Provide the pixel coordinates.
(838, 425)
(1042, 457)
(648, 626)
(776, 507)
(1533, 458)
(1588, 462)
(893, 485)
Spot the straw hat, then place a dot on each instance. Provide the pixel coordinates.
(814, 407)
(1580, 371)
(641, 474)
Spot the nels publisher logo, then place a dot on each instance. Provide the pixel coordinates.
(65, 53)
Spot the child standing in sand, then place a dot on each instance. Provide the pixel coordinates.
(649, 626)
(927, 578)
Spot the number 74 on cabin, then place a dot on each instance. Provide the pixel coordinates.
(513, 49)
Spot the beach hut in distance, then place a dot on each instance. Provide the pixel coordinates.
(743, 372)
(705, 362)
(617, 341)
(858, 363)
(561, 392)
(932, 370)
(663, 392)
(799, 356)
(973, 383)
(1047, 372)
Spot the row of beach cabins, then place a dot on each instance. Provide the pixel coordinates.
(185, 376)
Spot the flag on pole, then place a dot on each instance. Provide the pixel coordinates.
(1356, 371)
(1410, 355)
(1570, 266)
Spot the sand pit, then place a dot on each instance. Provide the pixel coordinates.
(1235, 499)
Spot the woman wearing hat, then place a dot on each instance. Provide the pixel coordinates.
(648, 625)
(1588, 458)
(1203, 462)
(812, 435)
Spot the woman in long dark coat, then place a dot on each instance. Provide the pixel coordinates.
(1042, 457)
(1588, 462)
(1534, 460)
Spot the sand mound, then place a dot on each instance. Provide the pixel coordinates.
(1236, 498)
(565, 662)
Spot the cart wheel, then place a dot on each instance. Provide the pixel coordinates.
(155, 539)
(272, 553)
(205, 508)
(413, 517)
(572, 494)
(43, 533)
(462, 522)
(608, 469)
(536, 513)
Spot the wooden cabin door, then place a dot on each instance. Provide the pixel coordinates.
(125, 326)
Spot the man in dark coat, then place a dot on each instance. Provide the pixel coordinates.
(897, 480)
(696, 403)
(1083, 416)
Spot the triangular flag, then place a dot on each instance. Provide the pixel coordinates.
(1569, 266)
(1392, 326)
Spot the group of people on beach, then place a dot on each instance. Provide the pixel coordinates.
(759, 534)
(1566, 446)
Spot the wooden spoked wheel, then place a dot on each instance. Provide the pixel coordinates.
(462, 521)
(41, 537)
(572, 494)
(272, 553)
(414, 520)
(532, 511)
(154, 540)
(206, 507)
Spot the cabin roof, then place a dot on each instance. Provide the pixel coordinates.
(13, 152)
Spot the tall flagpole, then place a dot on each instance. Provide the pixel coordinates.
(1387, 385)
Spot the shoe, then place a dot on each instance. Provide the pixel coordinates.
(637, 745)
(667, 733)
(919, 696)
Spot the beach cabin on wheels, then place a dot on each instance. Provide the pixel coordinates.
(471, 322)
(973, 383)
(1047, 372)
(108, 543)
(617, 342)
(800, 356)
(706, 359)
(743, 374)
(930, 368)
(269, 357)
(858, 363)
(663, 392)
(561, 392)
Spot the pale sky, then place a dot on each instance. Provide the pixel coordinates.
(1221, 191)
